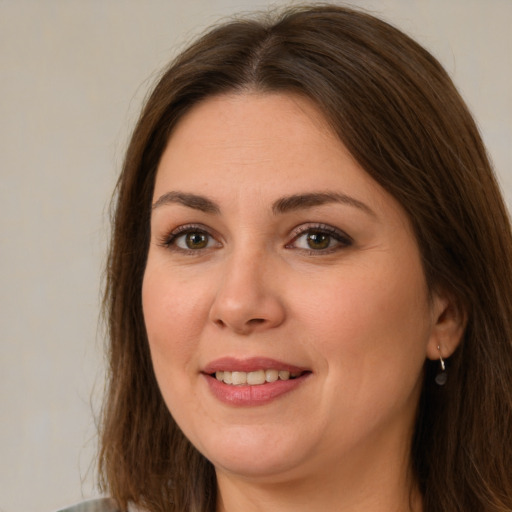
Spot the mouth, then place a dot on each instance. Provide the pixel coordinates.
(255, 378)
(254, 381)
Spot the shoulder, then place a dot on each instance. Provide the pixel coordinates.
(94, 505)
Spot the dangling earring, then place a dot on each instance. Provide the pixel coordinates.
(441, 376)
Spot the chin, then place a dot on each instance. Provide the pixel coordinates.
(255, 452)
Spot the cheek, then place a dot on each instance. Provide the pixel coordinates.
(371, 323)
(174, 314)
(370, 329)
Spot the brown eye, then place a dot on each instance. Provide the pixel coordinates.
(196, 240)
(322, 240)
(317, 240)
(191, 239)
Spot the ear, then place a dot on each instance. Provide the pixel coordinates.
(449, 321)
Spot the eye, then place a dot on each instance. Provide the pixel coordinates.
(189, 238)
(318, 239)
(192, 240)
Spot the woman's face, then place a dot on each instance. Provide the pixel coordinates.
(276, 261)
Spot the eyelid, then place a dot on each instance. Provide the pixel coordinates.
(339, 235)
(168, 239)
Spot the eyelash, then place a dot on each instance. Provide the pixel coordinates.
(169, 241)
(342, 240)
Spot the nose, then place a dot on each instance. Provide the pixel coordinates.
(249, 296)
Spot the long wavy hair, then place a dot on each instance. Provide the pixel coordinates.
(398, 113)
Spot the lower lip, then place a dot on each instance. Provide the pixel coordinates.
(253, 395)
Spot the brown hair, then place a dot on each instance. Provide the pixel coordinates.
(398, 113)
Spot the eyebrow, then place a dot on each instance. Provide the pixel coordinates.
(193, 201)
(283, 205)
(310, 200)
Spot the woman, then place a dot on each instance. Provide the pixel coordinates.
(309, 285)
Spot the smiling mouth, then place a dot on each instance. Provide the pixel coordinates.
(255, 378)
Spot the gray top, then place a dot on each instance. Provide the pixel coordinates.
(95, 505)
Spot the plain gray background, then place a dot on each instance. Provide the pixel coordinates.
(72, 76)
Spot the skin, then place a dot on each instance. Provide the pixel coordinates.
(356, 313)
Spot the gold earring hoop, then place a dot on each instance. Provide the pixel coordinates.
(442, 375)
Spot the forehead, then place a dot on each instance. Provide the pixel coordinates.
(259, 137)
(240, 122)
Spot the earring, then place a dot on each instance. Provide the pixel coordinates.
(441, 376)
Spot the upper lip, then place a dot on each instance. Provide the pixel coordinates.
(233, 364)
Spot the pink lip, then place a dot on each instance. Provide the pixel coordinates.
(249, 396)
(231, 364)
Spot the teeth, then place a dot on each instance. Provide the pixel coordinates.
(255, 378)
(271, 375)
(284, 375)
(239, 378)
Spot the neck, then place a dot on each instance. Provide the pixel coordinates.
(327, 496)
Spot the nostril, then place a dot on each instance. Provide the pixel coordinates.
(244, 328)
